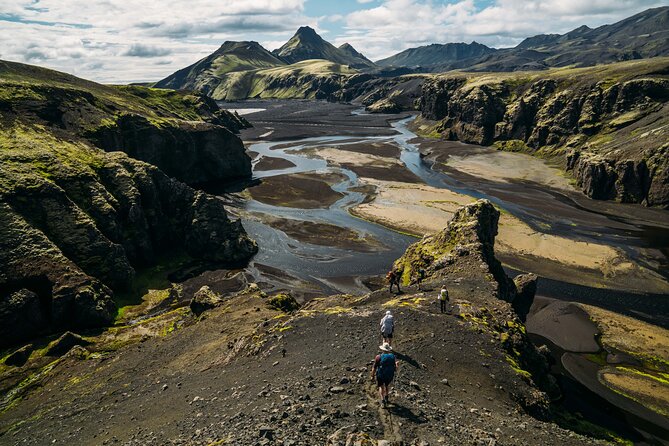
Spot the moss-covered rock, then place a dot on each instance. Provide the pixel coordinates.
(385, 105)
(65, 343)
(283, 302)
(204, 299)
(471, 232)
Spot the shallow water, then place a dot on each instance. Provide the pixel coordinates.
(315, 262)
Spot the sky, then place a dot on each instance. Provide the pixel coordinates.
(121, 41)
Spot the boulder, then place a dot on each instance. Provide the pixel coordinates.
(20, 356)
(283, 302)
(204, 299)
(65, 343)
(21, 316)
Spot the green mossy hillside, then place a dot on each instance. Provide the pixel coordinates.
(78, 216)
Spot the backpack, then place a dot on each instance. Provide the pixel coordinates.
(388, 325)
(386, 370)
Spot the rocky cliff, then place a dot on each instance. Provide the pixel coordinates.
(463, 253)
(76, 221)
(607, 125)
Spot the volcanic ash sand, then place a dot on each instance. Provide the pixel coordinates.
(505, 166)
(630, 335)
(421, 209)
(305, 190)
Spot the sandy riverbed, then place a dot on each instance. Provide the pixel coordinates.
(420, 209)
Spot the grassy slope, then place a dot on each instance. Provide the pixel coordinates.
(285, 82)
(30, 148)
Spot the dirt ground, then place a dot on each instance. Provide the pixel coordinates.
(244, 369)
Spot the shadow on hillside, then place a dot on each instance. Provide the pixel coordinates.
(406, 413)
(408, 359)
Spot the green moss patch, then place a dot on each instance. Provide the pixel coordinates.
(283, 302)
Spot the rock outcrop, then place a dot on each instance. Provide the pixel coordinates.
(608, 127)
(204, 299)
(463, 254)
(76, 221)
(526, 288)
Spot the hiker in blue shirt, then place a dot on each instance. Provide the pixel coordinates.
(385, 366)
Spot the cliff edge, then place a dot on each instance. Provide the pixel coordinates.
(78, 216)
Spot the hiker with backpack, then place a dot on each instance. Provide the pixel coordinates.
(385, 366)
(394, 279)
(387, 327)
(442, 297)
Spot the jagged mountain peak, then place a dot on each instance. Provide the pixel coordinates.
(350, 50)
(308, 32)
(229, 57)
(307, 44)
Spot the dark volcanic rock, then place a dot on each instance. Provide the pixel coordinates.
(21, 315)
(64, 344)
(283, 302)
(526, 288)
(613, 138)
(470, 233)
(20, 356)
(76, 221)
(212, 236)
(463, 253)
(385, 105)
(191, 152)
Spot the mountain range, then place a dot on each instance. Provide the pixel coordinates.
(643, 35)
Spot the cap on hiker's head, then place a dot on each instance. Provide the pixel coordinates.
(388, 312)
(385, 347)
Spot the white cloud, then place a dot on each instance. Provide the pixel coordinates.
(126, 41)
(104, 40)
(395, 25)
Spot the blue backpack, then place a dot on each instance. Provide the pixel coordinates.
(386, 370)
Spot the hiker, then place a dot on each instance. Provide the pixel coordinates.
(442, 297)
(387, 327)
(385, 366)
(421, 276)
(394, 279)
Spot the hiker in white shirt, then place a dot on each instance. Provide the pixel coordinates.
(387, 327)
(443, 298)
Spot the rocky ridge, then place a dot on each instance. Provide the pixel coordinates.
(437, 57)
(607, 125)
(76, 220)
